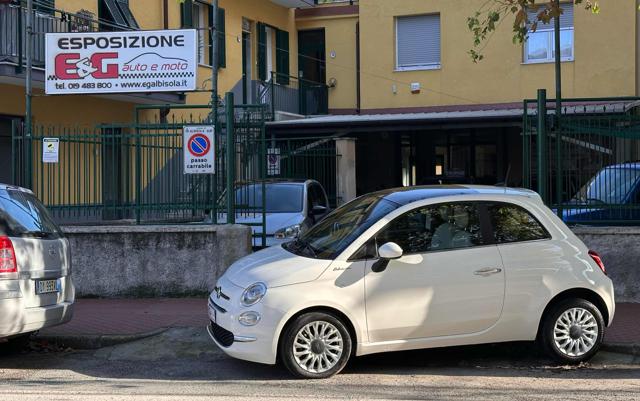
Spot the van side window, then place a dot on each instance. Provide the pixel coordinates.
(435, 228)
(512, 223)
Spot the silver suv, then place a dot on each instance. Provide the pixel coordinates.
(35, 266)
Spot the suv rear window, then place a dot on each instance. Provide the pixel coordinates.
(23, 215)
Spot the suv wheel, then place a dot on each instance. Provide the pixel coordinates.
(315, 346)
(573, 331)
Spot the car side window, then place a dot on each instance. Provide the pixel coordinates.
(435, 228)
(512, 223)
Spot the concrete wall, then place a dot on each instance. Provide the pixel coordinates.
(619, 248)
(153, 261)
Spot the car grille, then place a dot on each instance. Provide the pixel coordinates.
(222, 336)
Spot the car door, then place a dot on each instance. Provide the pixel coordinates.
(449, 281)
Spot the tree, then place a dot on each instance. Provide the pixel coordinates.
(486, 20)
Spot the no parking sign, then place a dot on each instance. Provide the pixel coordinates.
(198, 146)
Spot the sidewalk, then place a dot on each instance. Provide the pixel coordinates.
(132, 318)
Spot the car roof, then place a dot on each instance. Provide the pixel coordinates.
(631, 165)
(404, 196)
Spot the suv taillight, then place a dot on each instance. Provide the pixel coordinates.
(7, 256)
(596, 258)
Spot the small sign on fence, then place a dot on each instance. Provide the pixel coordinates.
(198, 148)
(50, 150)
(273, 161)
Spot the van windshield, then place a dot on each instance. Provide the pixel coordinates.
(333, 234)
(280, 198)
(23, 215)
(611, 186)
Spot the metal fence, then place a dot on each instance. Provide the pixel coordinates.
(134, 173)
(585, 163)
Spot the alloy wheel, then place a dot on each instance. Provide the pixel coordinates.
(318, 347)
(575, 332)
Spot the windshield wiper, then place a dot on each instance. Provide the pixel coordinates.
(303, 245)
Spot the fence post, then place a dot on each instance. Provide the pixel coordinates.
(542, 144)
(273, 95)
(231, 160)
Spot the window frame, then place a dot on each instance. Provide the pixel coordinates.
(421, 67)
(548, 237)
(550, 33)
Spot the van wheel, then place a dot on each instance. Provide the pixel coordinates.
(573, 331)
(315, 346)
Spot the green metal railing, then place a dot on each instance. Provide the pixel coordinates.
(293, 95)
(585, 164)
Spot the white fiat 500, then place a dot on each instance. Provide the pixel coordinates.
(416, 268)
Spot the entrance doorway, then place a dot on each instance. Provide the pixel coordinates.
(312, 72)
(5, 149)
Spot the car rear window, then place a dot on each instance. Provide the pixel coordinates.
(23, 215)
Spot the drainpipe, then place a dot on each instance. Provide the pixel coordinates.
(358, 98)
(165, 13)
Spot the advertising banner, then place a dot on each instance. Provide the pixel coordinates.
(121, 62)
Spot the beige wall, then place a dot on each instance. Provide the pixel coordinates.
(604, 58)
(340, 37)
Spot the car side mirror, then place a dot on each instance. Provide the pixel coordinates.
(386, 252)
(318, 210)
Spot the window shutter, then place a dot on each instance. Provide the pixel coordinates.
(186, 14)
(418, 40)
(44, 6)
(262, 51)
(282, 57)
(222, 43)
(566, 19)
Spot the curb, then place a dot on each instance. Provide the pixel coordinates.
(96, 341)
(622, 348)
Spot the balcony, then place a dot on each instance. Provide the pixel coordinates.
(294, 3)
(13, 58)
(283, 93)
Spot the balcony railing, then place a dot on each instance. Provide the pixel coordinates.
(13, 19)
(293, 95)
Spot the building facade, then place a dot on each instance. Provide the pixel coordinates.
(395, 76)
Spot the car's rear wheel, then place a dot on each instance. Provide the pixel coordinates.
(573, 331)
(315, 345)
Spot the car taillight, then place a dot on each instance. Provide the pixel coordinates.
(7, 256)
(596, 258)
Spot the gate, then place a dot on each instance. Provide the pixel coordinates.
(585, 164)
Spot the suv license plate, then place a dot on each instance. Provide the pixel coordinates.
(47, 286)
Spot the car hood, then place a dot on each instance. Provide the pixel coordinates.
(275, 267)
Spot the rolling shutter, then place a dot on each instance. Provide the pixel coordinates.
(418, 41)
(566, 19)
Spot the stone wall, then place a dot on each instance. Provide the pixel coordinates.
(153, 261)
(619, 248)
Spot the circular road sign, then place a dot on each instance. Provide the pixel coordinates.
(199, 145)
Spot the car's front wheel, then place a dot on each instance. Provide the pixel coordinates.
(573, 331)
(315, 345)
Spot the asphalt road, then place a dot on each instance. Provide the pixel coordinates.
(183, 364)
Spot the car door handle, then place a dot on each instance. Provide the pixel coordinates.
(487, 272)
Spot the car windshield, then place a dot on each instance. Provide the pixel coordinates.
(611, 186)
(22, 215)
(280, 198)
(333, 234)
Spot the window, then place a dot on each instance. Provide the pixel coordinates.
(512, 223)
(435, 228)
(117, 12)
(539, 47)
(418, 42)
(199, 15)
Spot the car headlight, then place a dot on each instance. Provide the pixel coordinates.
(288, 232)
(253, 294)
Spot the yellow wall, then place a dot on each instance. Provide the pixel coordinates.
(74, 6)
(604, 61)
(340, 37)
